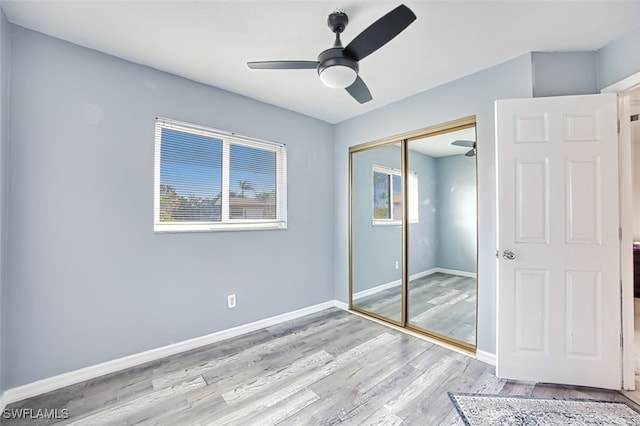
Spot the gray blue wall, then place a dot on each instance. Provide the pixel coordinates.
(456, 208)
(564, 73)
(471, 95)
(89, 279)
(619, 59)
(423, 240)
(5, 57)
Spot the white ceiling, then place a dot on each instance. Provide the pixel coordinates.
(440, 145)
(211, 41)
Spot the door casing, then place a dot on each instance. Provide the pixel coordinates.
(622, 88)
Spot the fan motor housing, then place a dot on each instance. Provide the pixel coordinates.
(335, 56)
(337, 21)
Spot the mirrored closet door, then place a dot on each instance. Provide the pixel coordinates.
(417, 266)
(442, 237)
(376, 231)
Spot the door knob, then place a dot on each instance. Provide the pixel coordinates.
(508, 254)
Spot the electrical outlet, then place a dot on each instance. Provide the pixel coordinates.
(231, 301)
(397, 265)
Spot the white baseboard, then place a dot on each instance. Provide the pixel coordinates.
(423, 274)
(341, 305)
(385, 286)
(456, 272)
(66, 379)
(444, 271)
(3, 402)
(486, 357)
(376, 289)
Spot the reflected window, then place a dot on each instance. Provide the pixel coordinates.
(387, 196)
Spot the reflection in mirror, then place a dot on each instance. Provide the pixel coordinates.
(442, 242)
(376, 231)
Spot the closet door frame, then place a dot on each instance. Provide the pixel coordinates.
(403, 140)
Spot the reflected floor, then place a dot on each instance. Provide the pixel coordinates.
(636, 323)
(442, 303)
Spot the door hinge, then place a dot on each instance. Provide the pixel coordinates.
(620, 233)
(618, 125)
(497, 255)
(620, 339)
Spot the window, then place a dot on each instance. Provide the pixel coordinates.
(387, 196)
(208, 180)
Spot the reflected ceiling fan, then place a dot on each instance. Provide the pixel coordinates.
(467, 144)
(338, 66)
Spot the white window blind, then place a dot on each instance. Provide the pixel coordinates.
(207, 179)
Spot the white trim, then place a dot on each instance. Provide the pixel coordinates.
(3, 402)
(385, 286)
(376, 289)
(224, 192)
(423, 274)
(625, 180)
(238, 225)
(72, 377)
(623, 85)
(341, 305)
(622, 88)
(386, 222)
(486, 357)
(456, 272)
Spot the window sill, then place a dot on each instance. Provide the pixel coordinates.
(390, 222)
(209, 227)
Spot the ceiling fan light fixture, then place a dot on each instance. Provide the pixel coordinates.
(337, 66)
(338, 76)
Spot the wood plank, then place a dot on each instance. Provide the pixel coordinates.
(273, 378)
(331, 367)
(155, 399)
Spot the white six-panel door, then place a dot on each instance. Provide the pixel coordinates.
(558, 265)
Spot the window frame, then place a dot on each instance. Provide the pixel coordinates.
(226, 223)
(413, 196)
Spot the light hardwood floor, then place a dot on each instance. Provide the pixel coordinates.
(331, 367)
(443, 303)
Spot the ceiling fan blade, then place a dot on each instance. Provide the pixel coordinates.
(470, 153)
(380, 33)
(283, 65)
(464, 143)
(359, 91)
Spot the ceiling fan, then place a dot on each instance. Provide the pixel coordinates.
(338, 66)
(468, 144)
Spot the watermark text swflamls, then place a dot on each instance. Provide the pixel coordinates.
(36, 413)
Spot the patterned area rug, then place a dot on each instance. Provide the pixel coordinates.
(477, 409)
